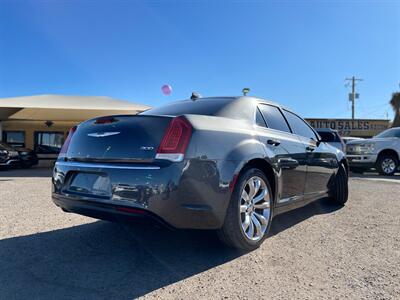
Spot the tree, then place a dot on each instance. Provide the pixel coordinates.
(395, 102)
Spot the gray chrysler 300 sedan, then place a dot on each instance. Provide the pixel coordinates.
(225, 163)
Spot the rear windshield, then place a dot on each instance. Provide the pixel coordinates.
(329, 136)
(208, 107)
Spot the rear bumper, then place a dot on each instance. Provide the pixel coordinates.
(184, 195)
(362, 160)
(104, 211)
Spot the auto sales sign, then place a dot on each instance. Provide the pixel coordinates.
(349, 127)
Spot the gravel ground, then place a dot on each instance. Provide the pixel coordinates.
(316, 252)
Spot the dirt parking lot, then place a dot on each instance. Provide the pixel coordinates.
(320, 251)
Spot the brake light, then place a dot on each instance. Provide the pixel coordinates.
(64, 148)
(175, 141)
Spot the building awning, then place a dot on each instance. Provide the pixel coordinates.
(64, 108)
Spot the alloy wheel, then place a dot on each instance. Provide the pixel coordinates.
(388, 165)
(255, 208)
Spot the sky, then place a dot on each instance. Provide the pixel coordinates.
(297, 53)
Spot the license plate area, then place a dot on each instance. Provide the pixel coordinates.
(89, 184)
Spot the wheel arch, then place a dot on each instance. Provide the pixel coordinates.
(388, 152)
(266, 168)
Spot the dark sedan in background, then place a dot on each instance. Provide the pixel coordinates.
(8, 156)
(226, 163)
(17, 156)
(28, 157)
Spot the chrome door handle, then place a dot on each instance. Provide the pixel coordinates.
(273, 142)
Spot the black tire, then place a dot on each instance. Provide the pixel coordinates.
(340, 189)
(231, 232)
(357, 170)
(380, 164)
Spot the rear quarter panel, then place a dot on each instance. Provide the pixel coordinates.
(219, 148)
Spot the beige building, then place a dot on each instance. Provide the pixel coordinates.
(42, 122)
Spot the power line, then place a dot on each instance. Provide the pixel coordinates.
(353, 95)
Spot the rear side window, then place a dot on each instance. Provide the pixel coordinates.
(274, 118)
(299, 126)
(259, 119)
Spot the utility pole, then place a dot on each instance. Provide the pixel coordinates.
(353, 96)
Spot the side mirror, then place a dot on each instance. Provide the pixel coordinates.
(317, 140)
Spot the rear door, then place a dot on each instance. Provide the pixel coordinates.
(287, 150)
(321, 160)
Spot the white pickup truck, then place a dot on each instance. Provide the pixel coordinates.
(381, 152)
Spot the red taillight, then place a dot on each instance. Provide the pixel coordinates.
(64, 148)
(175, 141)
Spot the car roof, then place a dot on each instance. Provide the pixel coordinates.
(232, 98)
(240, 99)
(236, 107)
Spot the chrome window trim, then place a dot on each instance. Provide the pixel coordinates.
(104, 166)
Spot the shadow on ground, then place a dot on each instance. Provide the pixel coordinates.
(372, 175)
(33, 172)
(289, 219)
(103, 260)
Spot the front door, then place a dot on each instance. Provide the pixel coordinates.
(321, 161)
(321, 167)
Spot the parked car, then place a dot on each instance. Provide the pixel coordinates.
(331, 137)
(28, 157)
(230, 164)
(8, 156)
(381, 152)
